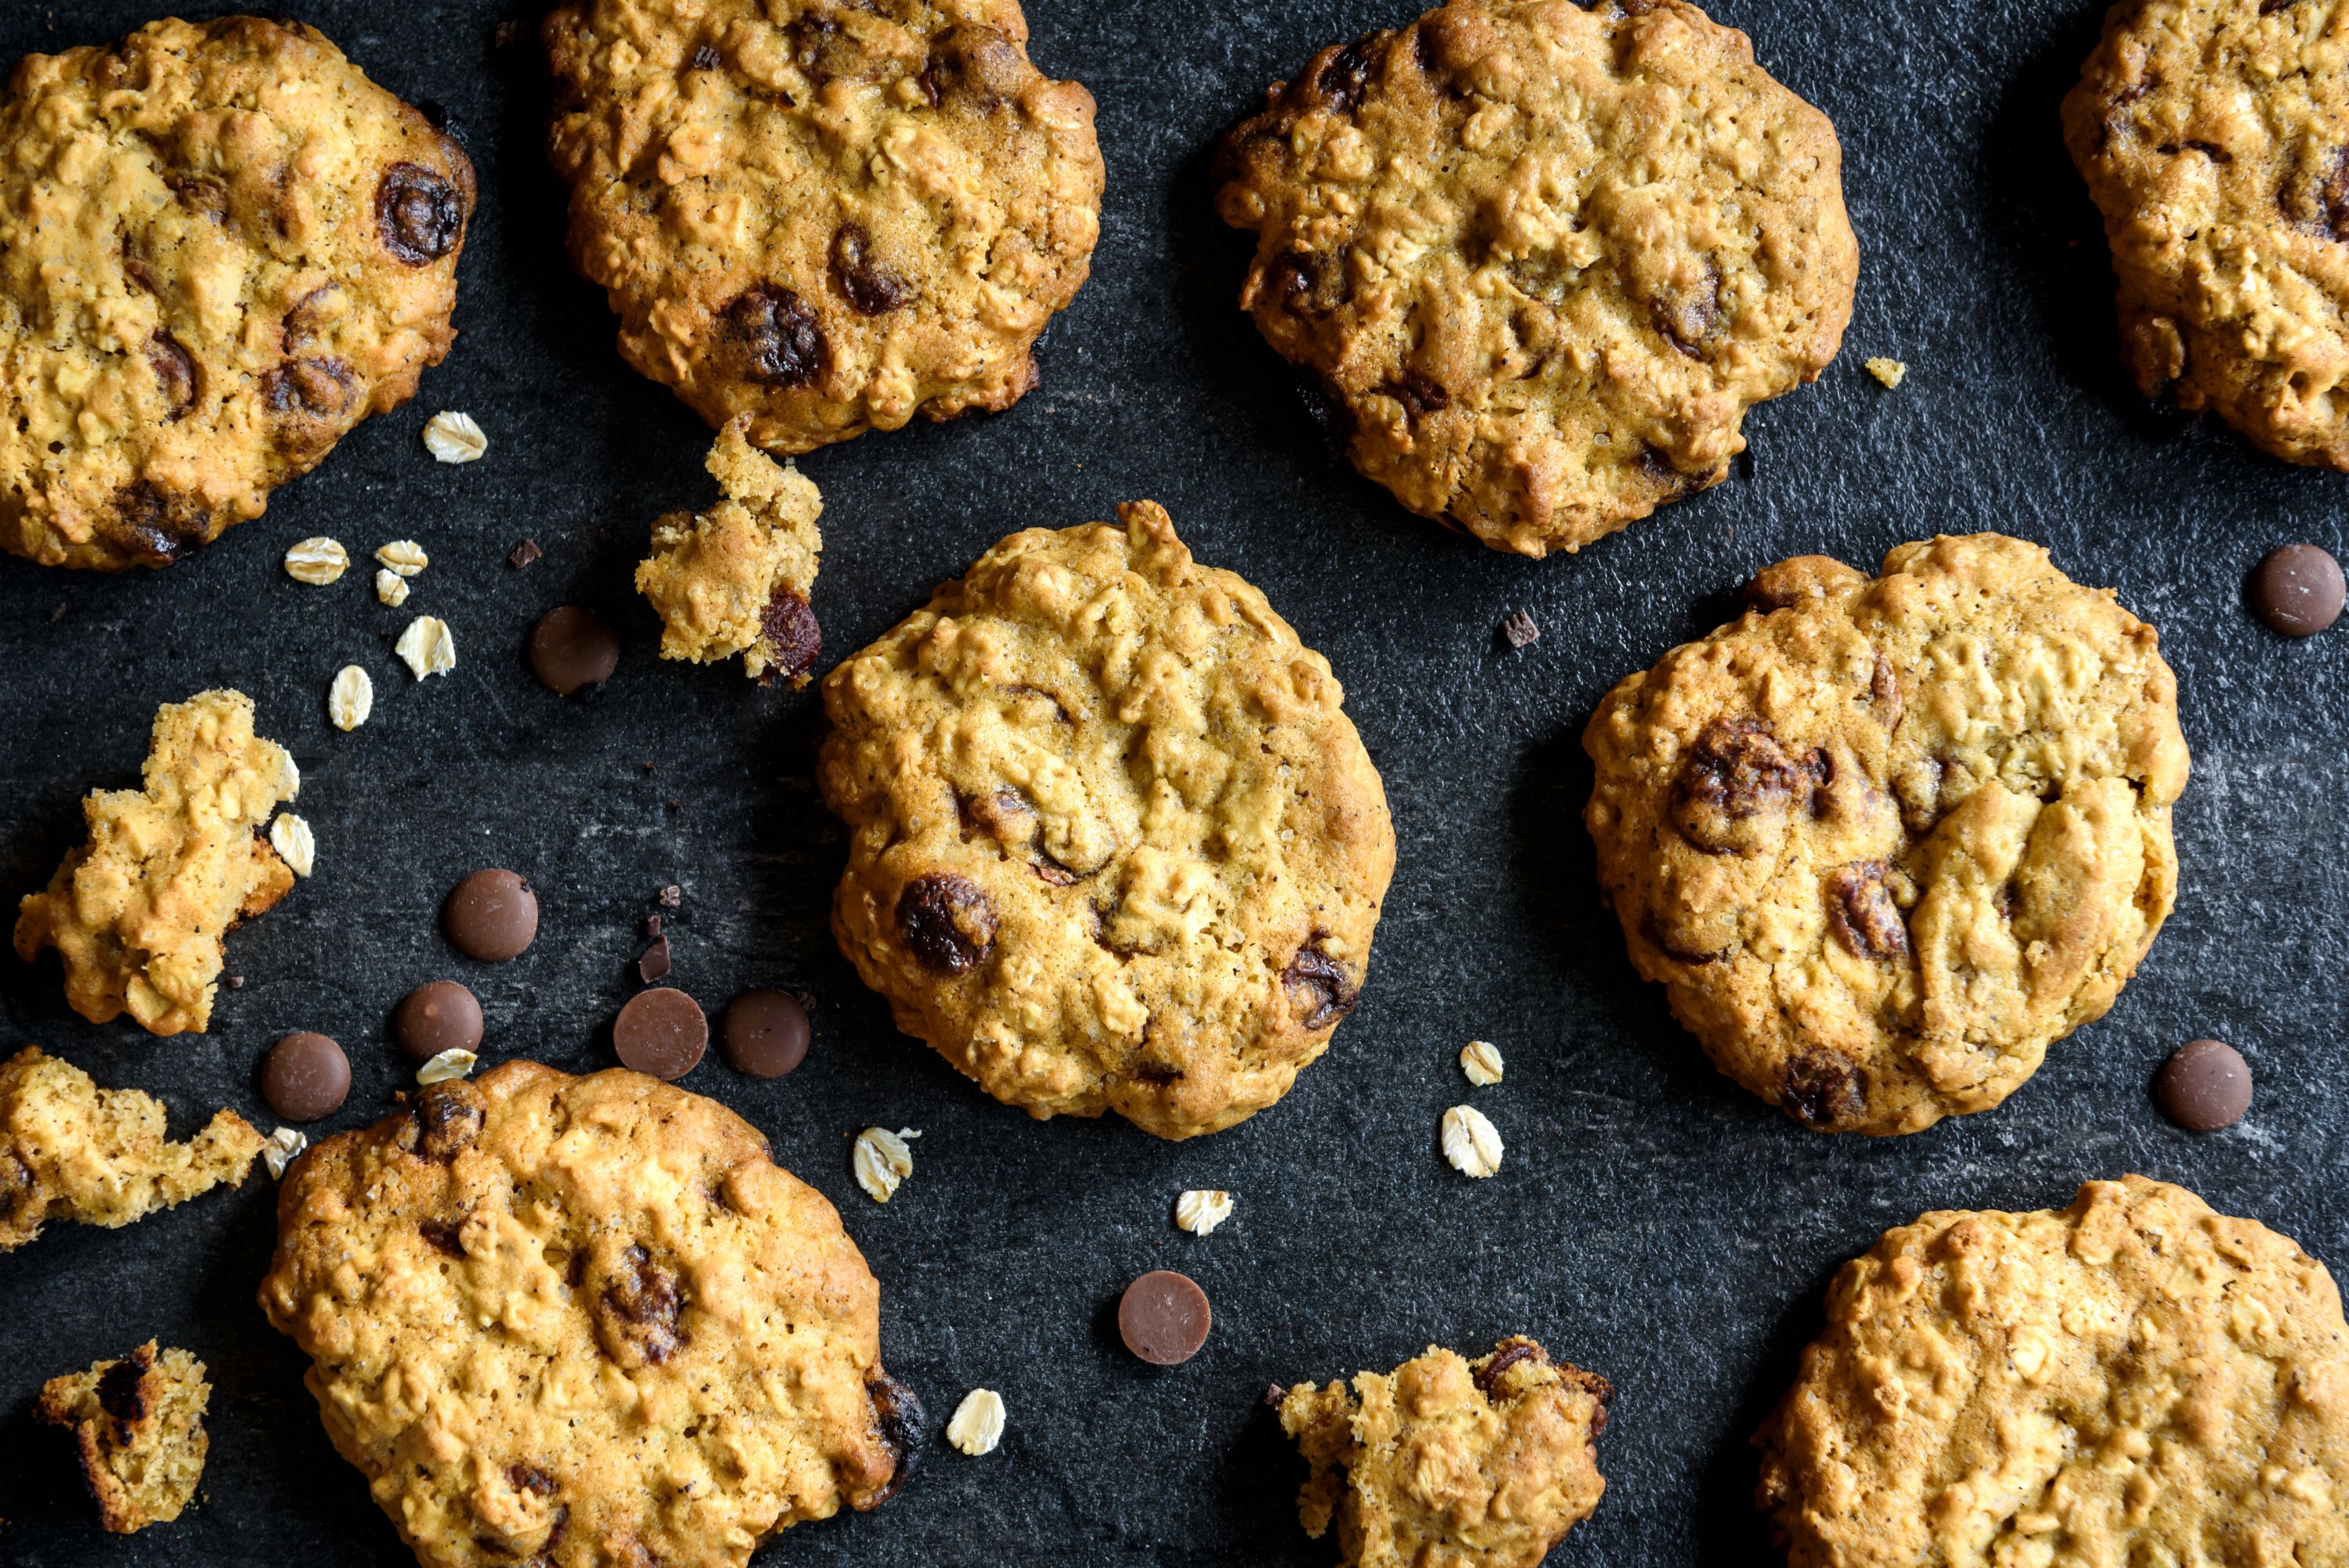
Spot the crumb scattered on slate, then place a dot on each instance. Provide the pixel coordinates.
(1889, 371)
(655, 964)
(524, 553)
(652, 925)
(1519, 628)
(236, 981)
(672, 895)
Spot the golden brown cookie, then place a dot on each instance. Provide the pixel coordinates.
(1543, 258)
(1450, 1463)
(138, 911)
(221, 248)
(1114, 844)
(826, 214)
(137, 1426)
(2134, 1380)
(72, 1151)
(2214, 137)
(736, 579)
(584, 1322)
(1883, 841)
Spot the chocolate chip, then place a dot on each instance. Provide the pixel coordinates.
(1506, 1355)
(444, 1236)
(1862, 914)
(1519, 628)
(2297, 590)
(637, 1310)
(317, 388)
(1735, 772)
(655, 964)
(2204, 1085)
(442, 1015)
(525, 552)
(661, 1032)
(704, 59)
(572, 648)
(652, 925)
(164, 524)
(1819, 1090)
(236, 981)
(419, 215)
(123, 1388)
(175, 368)
(1419, 393)
(1322, 990)
(766, 1034)
(448, 1117)
(305, 1076)
(870, 288)
(1345, 73)
(492, 916)
(897, 1418)
(529, 1478)
(1164, 1317)
(947, 921)
(973, 68)
(789, 631)
(778, 336)
(1310, 282)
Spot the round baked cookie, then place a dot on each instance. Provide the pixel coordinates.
(1883, 841)
(825, 214)
(576, 1322)
(2211, 136)
(1114, 844)
(1543, 258)
(2133, 1379)
(221, 248)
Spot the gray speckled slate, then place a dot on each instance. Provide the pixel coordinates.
(1652, 1221)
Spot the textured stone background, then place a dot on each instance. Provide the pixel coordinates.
(1651, 1222)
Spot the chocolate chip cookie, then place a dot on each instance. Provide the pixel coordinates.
(1114, 844)
(2131, 1379)
(826, 214)
(138, 1427)
(2214, 137)
(221, 247)
(1543, 258)
(585, 1321)
(736, 579)
(1884, 840)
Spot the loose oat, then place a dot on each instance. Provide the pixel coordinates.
(390, 587)
(882, 1160)
(1199, 1211)
(1472, 1143)
(977, 1423)
(318, 562)
(1889, 371)
(1481, 1061)
(351, 699)
(291, 837)
(404, 556)
(455, 437)
(446, 1065)
(282, 1148)
(428, 646)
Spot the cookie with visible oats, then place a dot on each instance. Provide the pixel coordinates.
(829, 215)
(1885, 840)
(2133, 1379)
(138, 1427)
(1465, 1464)
(221, 247)
(2214, 137)
(1114, 843)
(1543, 258)
(581, 1322)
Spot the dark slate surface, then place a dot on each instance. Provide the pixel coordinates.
(1651, 1222)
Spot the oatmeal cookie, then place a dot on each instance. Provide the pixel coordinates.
(826, 214)
(577, 1322)
(2214, 137)
(2132, 1380)
(138, 1427)
(138, 911)
(221, 248)
(1451, 1463)
(1883, 841)
(1543, 258)
(1114, 844)
(72, 1151)
(736, 579)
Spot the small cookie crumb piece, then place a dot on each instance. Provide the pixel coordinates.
(1892, 372)
(138, 1429)
(404, 556)
(1471, 1141)
(455, 437)
(1199, 1212)
(524, 553)
(390, 587)
(736, 579)
(449, 1064)
(318, 562)
(1481, 1061)
(351, 699)
(883, 1159)
(291, 837)
(977, 1423)
(285, 1146)
(428, 646)
(1518, 626)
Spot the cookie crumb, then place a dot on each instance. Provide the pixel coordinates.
(1199, 1212)
(351, 699)
(655, 964)
(58, 613)
(449, 1064)
(1518, 626)
(977, 1423)
(1892, 372)
(236, 981)
(317, 561)
(1481, 1061)
(427, 647)
(454, 437)
(291, 837)
(671, 895)
(883, 1159)
(524, 553)
(1471, 1143)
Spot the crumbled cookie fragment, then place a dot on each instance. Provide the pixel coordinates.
(1444, 1461)
(736, 578)
(138, 911)
(138, 1427)
(1891, 372)
(72, 1151)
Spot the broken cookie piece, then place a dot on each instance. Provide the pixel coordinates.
(72, 1151)
(736, 579)
(1482, 1464)
(138, 911)
(137, 1426)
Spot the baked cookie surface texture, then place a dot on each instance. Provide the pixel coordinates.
(826, 214)
(1451, 1463)
(736, 579)
(1542, 259)
(138, 1427)
(1883, 841)
(1114, 843)
(2210, 133)
(584, 1321)
(72, 1151)
(2132, 1380)
(221, 247)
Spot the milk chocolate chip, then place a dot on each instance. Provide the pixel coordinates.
(492, 916)
(1164, 1317)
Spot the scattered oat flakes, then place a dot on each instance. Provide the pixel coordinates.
(428, 646)
(1892, 372)
(451, 1064)
(390, 587)
(1199, 1211)
(977, 1423)
(455, 437)
(291, 837)
(1471, 1143)
(282, 1148)
(351, 699)
(1481, 1061)
(883, 1159)
(404, 556)
(1518, 626)
(318, 562)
